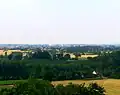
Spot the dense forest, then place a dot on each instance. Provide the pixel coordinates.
(38, 66)
(45, 67)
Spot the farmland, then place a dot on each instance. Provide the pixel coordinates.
(19, 65)
(112, 86)
(82, 56)
(2, 52)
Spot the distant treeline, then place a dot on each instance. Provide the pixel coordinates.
(94, 49)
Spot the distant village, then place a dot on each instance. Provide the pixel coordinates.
(73, 51)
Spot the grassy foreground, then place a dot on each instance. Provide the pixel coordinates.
(112, 86)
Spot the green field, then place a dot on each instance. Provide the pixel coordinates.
(10, 82)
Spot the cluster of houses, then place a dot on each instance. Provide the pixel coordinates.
(26, 53)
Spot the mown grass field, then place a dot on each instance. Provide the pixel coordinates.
(10, 82)
(112, 86)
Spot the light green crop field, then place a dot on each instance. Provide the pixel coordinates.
(9, 83)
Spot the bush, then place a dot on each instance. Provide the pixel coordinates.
(41, 87)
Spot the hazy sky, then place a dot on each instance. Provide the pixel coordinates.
(60, 21)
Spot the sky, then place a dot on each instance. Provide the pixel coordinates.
(59, 21)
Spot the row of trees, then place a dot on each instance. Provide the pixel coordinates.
(48, 70)
(93, 49)
(40, 87)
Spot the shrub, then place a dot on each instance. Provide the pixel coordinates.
(41, 87)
